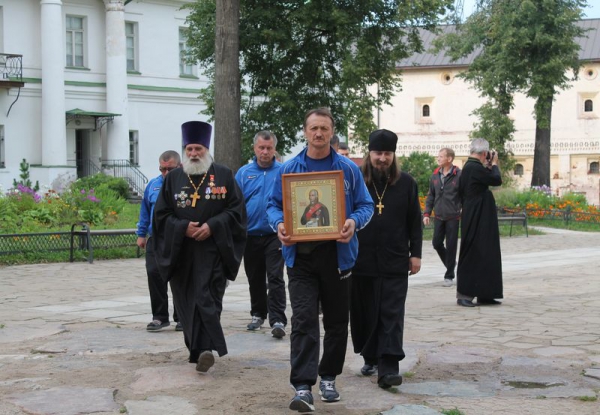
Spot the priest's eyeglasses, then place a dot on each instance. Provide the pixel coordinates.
(166, 169)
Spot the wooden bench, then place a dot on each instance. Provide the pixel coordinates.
(519, 217)
(110, 237)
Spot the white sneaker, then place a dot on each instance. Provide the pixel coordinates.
(278, 330)
(256, 323)
(448, 283)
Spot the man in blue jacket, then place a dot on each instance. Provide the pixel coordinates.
(159, 299)
(320, 270)
(262, 257)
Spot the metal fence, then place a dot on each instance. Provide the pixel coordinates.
(567, 216)
(83, 240)
(18, 243)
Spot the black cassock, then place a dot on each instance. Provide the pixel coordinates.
(380, 276)
(479, 271)
(198, 270)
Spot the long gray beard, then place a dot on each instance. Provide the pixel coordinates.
(194, 168)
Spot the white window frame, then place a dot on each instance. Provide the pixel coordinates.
(420, 104)
(70, 37)
(588, 96)
(1, 31)
(134, 147)
(2, 149)
(185, 69)
(131, 47)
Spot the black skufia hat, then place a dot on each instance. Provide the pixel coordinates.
(382, 140)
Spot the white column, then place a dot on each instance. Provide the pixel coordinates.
(54, 133)
(117, 146)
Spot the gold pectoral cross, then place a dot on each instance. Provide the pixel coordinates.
(196, 197)
(379, 206)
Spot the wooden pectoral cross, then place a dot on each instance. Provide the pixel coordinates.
(195, 197)
(379, 206)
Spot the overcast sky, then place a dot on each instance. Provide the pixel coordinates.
(592, 11)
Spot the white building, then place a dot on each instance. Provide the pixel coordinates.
(103, 85)
(434, 108)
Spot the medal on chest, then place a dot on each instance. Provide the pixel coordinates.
(213, 191)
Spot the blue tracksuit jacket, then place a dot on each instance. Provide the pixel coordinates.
(359, 205)
(257, 184)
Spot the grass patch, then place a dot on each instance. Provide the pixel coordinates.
(588, 398)
(560, 224)
(454, 411)
(408, 375)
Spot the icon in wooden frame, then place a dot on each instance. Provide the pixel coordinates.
(314, 205)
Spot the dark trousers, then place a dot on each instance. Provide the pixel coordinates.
(377, 320)
(448, 230)
(159, 298)
(316, 276)
(263, 264)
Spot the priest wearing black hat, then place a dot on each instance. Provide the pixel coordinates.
(390, 251)
(200, 231)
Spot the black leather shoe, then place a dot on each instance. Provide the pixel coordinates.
(465, 303)
(486, 301)
(368, 370)
(389, 380)
(205, 361)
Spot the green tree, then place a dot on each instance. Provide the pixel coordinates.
(419, 166)
(295, 56)
(526, 46)
(24, 179)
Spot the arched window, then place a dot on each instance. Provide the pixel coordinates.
(425, 110)
(588, 105)
(594, 167)
(518, 170)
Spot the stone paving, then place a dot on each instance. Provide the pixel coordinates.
(537, 353)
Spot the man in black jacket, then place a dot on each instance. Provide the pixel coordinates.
(390, 251)
(444, 201)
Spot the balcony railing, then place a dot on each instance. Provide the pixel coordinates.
(11, 67)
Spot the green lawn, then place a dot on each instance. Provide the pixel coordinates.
(128, 217)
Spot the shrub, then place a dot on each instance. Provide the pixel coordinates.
(419, 166)
(23, 210)
(100, 180)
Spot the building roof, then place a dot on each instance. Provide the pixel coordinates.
(590, 49)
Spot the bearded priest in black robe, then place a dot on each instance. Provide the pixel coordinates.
(390, 251)
(200, 233)
(479, 270)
